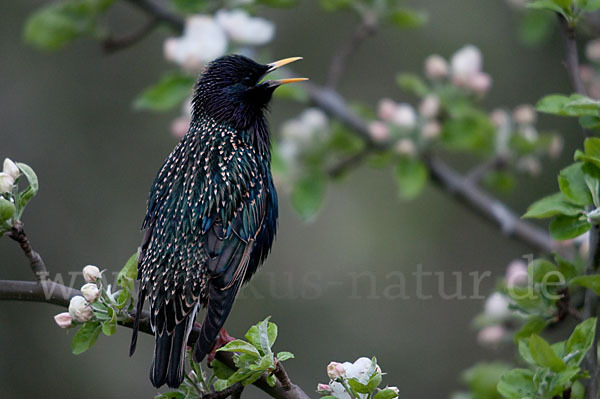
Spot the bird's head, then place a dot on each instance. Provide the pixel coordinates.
(231, 89)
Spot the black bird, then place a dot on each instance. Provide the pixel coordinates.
(212, 213)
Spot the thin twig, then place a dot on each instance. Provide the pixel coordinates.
(479, 172)
(114, 44)
(35, 260)
(225, 393)
(571, 54)
(340, 60)
(346, 164)
(161, 14)
(58, 294)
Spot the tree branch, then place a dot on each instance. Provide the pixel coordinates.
(162, 15)
(338, 64)
(58, 294)
(571, 54)
(114, 44)
(445, 177)
(35, 260)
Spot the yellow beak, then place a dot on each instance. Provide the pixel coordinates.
(278, 64)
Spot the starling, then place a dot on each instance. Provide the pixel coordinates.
(212, 213)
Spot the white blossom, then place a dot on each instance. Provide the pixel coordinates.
(245, 29)
(431, 130)
(516, 273)
(11, 169)
(90, 292)
(525, 114)
(436, 67)
(79, 309)
(6, 182)
(496, 306)
(466, 62)
(405, 116)
(430, 106)
(491, 336)
(335, 370)
(405, 147)
(202, 41)
(91, 273)
(379, 131)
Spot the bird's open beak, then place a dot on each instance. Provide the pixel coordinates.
(278, 64)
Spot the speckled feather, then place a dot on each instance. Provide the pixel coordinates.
(210, 222)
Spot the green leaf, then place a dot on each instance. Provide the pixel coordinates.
(562, 105)
(33, 188)
(357, 386)
(335, 5)
(566, 268)
(253, 335)
(591, 281)
(283, 356)
(573, 185)
(589, 5)
(412, 83)
(128, 273)
(278, 3)
(240, 346)
(580, 341)
(85, 338)
(567, 227)
(552, 205)
(406, 18)
(266, 337)
(221, 370)
(308, 194)
(292, 92)
(539, 269)
(374, 382)
(583, 106)
(7, 209)
(271, 380)
(549, 5)
(170, 91)
(469, 130)
(544, 356)
(517, 384)
(590, 122)
(483, 378)
(109, 327)
(534, 325)
(220, 385)
(386, 394)
(536, 27)
(411, 177)
(525, 352)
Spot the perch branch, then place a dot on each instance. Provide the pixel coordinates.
(58, 294)
(159, 13)
(35, 260)
(114, 44)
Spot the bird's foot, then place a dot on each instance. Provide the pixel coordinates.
(222, 339)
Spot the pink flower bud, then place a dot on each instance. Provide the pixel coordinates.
(379, 131)
(11, 169)
(436, 67)
(430, 106)
(431, 130)
(405, 147)
(525, 114)
(335, 370)
(91, 273)
(63, 320)
(386, 109)
(530, 165)
(80, 309)
(499, 118)
(491, 336)
(323, 388)
(90, 292)
(516, 273)
(480, 83)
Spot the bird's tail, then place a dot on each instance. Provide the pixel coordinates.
(169, 354)
(219, 304)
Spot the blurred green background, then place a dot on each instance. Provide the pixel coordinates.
(69, 115)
